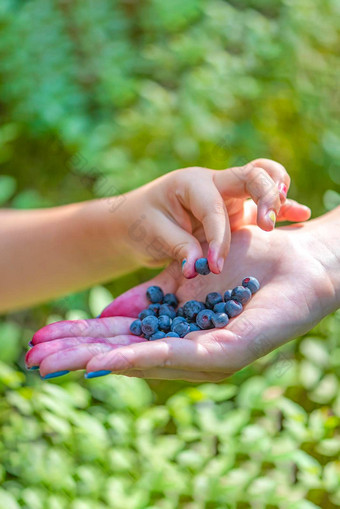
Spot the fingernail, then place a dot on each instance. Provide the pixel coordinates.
(272, 217)
(184, 262)
(98, 316)
(283, 189)
(96, 374)
(33, 368)
(220, 263)
(30, 344)
(55, 374)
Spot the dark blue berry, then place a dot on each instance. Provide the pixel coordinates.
(241, 294)
(154, 294)
(193, 327)
(136, 327)
(212, 299)
(227, 295)
(191, 309)
(171, 300)
(220, 320)
(164, 323)
(146, 312)
(219, 308)
(251, 283)
(155, 308)
(150, 325)
(233, 308)
(180, 312)
(172, 335)
(167, 310)
(181, 328)
(176, 320)
(158, 335)
(202, 266)
(204, 319)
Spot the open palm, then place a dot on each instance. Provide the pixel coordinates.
(294, 296)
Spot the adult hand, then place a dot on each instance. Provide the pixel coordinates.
(299, 273)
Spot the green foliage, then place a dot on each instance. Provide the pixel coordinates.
(98, 98)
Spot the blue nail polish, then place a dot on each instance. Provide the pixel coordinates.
(98, 315)
(184, 262)
(30, 344)
(95, 374)
(55, 374)
(33, 368)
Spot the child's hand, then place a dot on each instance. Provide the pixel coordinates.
(173, 215)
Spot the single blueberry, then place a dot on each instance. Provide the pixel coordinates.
(219, 308)
(164, 323)
(171, 300)
(172, 335)
(251, 283)
(202, 266)
(154, 294)
(193, 327)
(136, 327)
(177, 320)
(204, 319)
(180, 312)
(220, 320)
(181, 328)
(155, 308)
(191, 309)
(212, 299)
(233, 308)
(167, 310)
(146, 312)
(241, 294)
(158, 335)
(227, 295)
(150, 325)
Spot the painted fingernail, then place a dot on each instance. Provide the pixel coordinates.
(96, 374)
(33, 368)
(30, 344)
(98, 316)
(283, 189)
(55, 374)
(272, 217)
(184, 262)
(220, 263)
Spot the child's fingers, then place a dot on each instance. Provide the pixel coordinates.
(255, 182)
(91, 328)
(206, 203)
(277, 172)
(294, 211)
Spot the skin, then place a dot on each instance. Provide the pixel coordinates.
(299, 270)
(51, 252)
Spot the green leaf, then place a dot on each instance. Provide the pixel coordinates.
(8, 187)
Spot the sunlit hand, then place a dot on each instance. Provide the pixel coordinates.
(294, 266)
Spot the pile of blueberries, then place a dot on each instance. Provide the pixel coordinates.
(163, 318)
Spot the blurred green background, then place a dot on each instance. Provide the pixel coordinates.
(98, 98)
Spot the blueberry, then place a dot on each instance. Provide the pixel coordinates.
(171, 300)
(158, 335)
(167, 310)
(251, 283)
(193, 327)
(220, 320)
(164, 323)
(204, 319)
(146, 312)
(155, 308)
(241, 294)
(154, 294)
(202, 266)
(172, 335)
(176, 320)
(180, 312)
(233, 308)
(150, 325)
(227, 295)
(212, 299)
(136, 327)
(181, 328)
(219, 308)
(191, 309)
